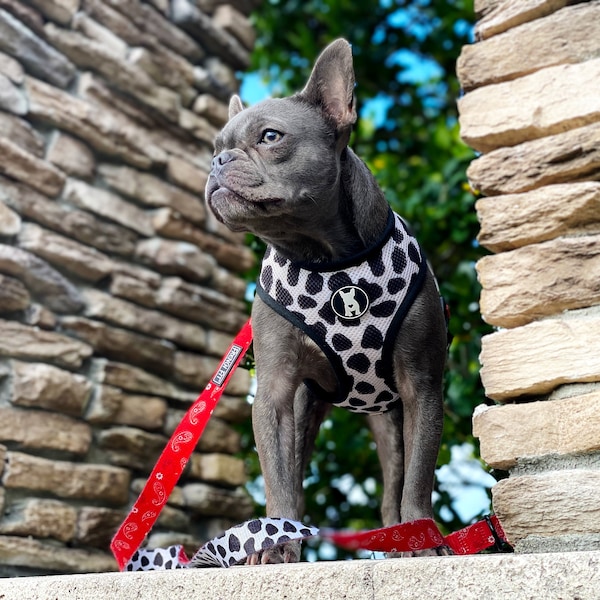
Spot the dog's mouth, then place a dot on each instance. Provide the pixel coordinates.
(222, 193)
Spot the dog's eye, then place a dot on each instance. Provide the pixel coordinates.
(270, 136)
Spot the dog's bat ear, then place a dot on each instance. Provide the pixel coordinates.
(235, 106)
(331, 84)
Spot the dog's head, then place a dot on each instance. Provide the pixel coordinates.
(277, 164)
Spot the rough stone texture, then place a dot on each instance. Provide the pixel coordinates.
(46, 557)
(39, 58)
(71, 156)
(108, 205)
(212, 501)
(516, 220)
(110, 405)
(570, 156)
(126, 314)
(536, 429)
(21, 341)
(506, 14)
(490, 118)
(10, 223)
(41, 385)
(562, 274)
(82, 261)
(571, 33)
(108, 114)
(13, 295)
(549, 504)
(217, 468)
(67, 479)
(20, 164)
(513, 366)
(73, 223)
(42, 519)
(40, 430)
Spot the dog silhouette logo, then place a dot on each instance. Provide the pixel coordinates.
(350, 302)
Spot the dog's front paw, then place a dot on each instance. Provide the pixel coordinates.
(285, 553)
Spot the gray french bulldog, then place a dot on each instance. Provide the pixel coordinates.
(347, 312)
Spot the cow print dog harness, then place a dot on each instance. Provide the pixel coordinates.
(352, 309)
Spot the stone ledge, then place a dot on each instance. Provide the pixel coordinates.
(515, 576)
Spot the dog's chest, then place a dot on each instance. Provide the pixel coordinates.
(352, 310)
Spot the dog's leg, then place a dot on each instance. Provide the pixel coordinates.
(286, 418)
(408, 439)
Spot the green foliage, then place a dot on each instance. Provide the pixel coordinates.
(404, 56)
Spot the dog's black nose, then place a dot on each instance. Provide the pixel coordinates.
(223, 158)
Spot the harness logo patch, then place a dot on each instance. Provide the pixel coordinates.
(350, 302)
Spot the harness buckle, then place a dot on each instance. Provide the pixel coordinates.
(500, 544)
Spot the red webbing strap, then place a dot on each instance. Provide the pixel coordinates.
(477, 537)
(175, 456)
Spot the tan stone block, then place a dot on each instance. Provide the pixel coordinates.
(538, 357)
(236, 24)
(41, 385)
(562, 274)
(13, 295)
(10, 222)
(109, 206)
(156, 324)
(184, 174)
(548, 504)
(41, 430)
(134, 289)
(41, 280)
(23, 166)
(131, 447)
(237, 258)
(20, 132)
(61, 11)
(217, 468)
(218, 436)
(39, 58)
(213, 109)
(167, 69)
(229, 284)
(566, 426)
(560, 158)
(109, 132)
(152, 191)
(12, 99)
(110, 405)
(516, 220)
(96, 525)
(490, 117)
(24, 552)
(40, 518)
(67, 480)
(71, 156)
(135, 379)
(175, 520)
(504, 15)
(39, 316)
(201, 305)
(118, 23)
(11, 68)
(21, 341)
(87, 53)
(73, 223)
(121, 345)
(83, 261)
(213, 501)
(97, 32)
(176, 258)
(570, 32)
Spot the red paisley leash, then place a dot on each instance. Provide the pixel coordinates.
(239, 542)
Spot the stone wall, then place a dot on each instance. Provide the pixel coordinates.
(118, 292)
(532, 109)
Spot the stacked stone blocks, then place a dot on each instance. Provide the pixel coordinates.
(532, 109)
(118, 292)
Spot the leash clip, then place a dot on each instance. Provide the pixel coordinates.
(500, 543)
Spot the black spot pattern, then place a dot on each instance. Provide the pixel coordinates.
(354, 339)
